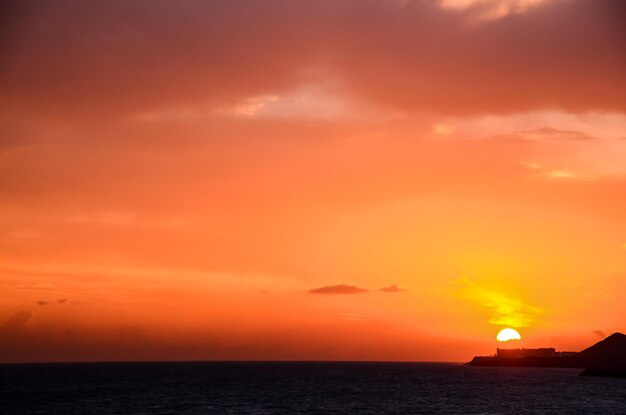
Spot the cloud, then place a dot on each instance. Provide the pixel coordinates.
(540, 125)
(45, 286)
(507, 310)
(442, 129)
(561, 174)
(531, 165)
(392, 289)
(18, 322)
(599, 333)
(251, 106)
(320, 102)
(564, 54)
(553, 133)
(43, 302)
(561, 145)
(351, 316)
(338, 289)
(504, 309)
(62, 301)
(491, 9)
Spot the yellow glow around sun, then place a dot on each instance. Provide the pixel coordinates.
(508, 334)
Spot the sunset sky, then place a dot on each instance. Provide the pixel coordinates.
(310, 179)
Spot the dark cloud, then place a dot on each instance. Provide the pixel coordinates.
(62, 301)
(392, 289)
(42, 302)
(122, 56)
(338, 289)
(599, 333)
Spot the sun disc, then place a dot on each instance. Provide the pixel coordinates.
(508, 334)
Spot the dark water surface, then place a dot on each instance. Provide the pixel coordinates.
(302, 388)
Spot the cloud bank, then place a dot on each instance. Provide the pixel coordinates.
(129, 56)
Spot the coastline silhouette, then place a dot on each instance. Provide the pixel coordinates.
(605, 358)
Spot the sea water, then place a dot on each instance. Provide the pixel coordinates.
(302, 388)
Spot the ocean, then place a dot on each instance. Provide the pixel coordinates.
(302, 388)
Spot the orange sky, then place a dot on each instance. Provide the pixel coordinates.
(314, 179)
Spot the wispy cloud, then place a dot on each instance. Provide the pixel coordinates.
(560, 144)
(442, 129)
(350, 316)
(561, 174)
(249, 107)
(18, 322)
(531, 165)
(553, 133)
(491, 9)
(504, 309)
(305, 102)
(338, 289)
(541, 171)
(37, 286)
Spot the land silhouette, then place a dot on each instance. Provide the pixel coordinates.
(605, 358)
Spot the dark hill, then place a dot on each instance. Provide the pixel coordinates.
(609, 353)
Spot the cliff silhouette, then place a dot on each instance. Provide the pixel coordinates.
(605, 358)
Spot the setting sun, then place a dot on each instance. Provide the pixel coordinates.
(506, 335)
